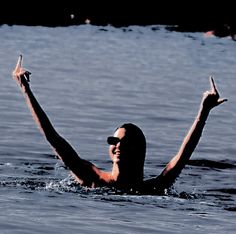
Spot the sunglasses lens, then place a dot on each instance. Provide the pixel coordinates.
(113, 140)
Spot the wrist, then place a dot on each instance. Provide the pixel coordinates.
(23, 82)
(24, 87)
(203, 113)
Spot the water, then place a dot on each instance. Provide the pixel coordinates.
(89, 80)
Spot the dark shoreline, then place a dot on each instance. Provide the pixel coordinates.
(184, 17)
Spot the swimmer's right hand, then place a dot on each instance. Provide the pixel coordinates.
(20, 75)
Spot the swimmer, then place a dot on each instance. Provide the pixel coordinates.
(127, 147)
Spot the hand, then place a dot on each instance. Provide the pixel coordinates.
(212, 98)
(20, 75)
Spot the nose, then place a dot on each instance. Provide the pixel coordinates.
(115, 148)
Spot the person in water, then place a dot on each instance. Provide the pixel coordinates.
(127, 147)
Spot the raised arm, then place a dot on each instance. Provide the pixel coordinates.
(210, 100)
(85, 172)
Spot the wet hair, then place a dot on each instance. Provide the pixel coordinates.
(134, 134)
(136, 137)
(137, 140)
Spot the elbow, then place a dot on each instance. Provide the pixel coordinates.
(171, 165)
(168, 168)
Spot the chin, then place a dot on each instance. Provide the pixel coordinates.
(116, 159)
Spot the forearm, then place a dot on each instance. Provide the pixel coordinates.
(38, 114)
(189, 144)
(191, 140)
(63, 149)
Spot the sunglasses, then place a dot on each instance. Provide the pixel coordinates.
(113, 140)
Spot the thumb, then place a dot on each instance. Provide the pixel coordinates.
(220, 101)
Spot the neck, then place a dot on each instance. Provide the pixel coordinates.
(125, 175)
(115, 171)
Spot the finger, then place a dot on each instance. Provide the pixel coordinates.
(222, 100)
(19, 62)
(18, 65)
(213, 86)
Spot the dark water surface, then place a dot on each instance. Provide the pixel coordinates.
(91, 79)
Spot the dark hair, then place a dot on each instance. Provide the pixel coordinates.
(136, 137)
(135, 134)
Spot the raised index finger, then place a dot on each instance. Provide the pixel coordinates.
(213, 86)
(18, 65)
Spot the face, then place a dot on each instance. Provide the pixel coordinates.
(115, 149)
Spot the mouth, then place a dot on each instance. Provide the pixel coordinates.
(116, 156)
(117, 153)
